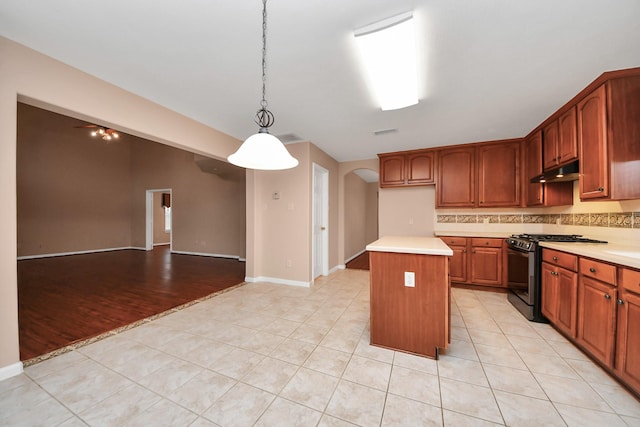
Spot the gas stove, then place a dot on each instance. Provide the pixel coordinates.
(528, 242)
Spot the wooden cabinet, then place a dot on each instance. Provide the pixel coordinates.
(481, 175)
(458, 262)
(476, 261)
(596, 311)
(628, 336)
(560, 141)
(608, 127)
(560, 290)
(456, 178)
(408, 168)
(499, 174)
(486, 261)
(412, 319)
(537, 193)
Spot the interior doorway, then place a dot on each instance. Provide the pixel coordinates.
(158, 218)
(320, 221)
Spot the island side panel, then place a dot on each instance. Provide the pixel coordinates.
(411, 319)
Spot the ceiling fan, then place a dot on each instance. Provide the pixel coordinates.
(103, 132)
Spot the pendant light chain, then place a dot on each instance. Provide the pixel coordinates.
(264, 117)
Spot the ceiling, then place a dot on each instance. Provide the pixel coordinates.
(489, 69)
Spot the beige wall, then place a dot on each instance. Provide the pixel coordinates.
(344, 169)
(406, 211)
(355, 208)
(160, 236)
(279, 230)
(28, 75)
(371, 219)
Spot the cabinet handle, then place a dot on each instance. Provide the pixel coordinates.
(464, 251)
(593, 270)
(473, 251)
(620, 302)
(607, 296)
(600, 189)
(555, 258)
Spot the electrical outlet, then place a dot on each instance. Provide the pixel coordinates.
(410, 279)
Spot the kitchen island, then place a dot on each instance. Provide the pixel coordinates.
(410, 294)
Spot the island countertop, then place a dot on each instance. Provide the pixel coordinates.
(410, 245)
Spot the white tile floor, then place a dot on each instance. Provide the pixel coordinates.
(272, 355)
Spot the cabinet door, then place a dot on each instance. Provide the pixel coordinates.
(596, 318)
(420, 168)
(628, 342)
(533, 156)
(549, 295)
(566, 318)
(458, 264)
(456, 178)
(592, 145)
(499, 175)
(550, 145)
(567, 137)
(486, 266)
(391, 171)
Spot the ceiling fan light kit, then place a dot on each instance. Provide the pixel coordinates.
(263, 151)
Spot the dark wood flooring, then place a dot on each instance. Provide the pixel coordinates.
(361, 262)
(70, 298)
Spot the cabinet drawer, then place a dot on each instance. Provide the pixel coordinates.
(630, 279)
(562, 259)
(598, 270)
(487, 243)
(454, 241)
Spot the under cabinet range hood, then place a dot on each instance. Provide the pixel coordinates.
(565, 173)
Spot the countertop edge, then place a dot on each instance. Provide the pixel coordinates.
(599, 251)
(410, 245)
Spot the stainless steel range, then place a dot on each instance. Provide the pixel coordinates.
(524, 265)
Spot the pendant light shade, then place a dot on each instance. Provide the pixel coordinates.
(263, 150)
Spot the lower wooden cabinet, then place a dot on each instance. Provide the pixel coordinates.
(598, 309)
(597, 318)
(476, 261)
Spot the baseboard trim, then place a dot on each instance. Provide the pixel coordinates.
(206, 254)
(11, 371)
(91, 251)
(355, 256)
(337, 267)
(277, 281)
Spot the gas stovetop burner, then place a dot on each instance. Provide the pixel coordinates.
(556, 238)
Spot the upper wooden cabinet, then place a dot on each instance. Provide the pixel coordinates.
(499, 174)
(456, 178)
(479, 175)
(539, 194)
(408, 168)
(560, 141)
(608, 129)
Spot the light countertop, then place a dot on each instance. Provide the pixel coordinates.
(410, 245)
(615, 253)
(485, 234)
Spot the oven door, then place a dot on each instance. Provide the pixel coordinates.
(521, 274)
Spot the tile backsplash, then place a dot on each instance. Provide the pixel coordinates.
(600, 219)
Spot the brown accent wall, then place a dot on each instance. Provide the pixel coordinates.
(73, 191)
(77, 193)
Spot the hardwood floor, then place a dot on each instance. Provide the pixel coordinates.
(65, 299)
(361, 262)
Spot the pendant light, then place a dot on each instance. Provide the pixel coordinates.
(263, 150)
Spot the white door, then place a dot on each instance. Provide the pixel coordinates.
(320, 221)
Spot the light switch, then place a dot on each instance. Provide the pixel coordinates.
(410, 279)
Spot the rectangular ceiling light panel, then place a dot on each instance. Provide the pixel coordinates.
(388, 50)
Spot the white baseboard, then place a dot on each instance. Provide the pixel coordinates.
(277, 281)
(206, 254)
(10, 371)
(337, 267)
(355, 256)
(91, 251)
